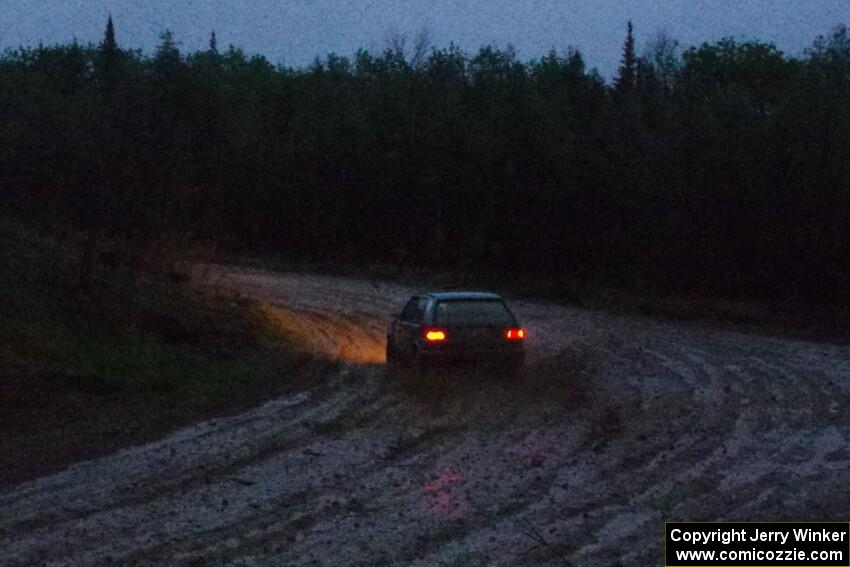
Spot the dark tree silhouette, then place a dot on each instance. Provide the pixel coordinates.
(627, 73)
(663, 54)
(722, 172)
(167, 52)
(109, 44)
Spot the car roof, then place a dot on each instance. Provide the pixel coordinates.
(457, 295)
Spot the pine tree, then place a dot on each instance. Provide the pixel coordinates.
(627, 74)
(167, 52)
(108, 62)
(213, 43)
(109, 44)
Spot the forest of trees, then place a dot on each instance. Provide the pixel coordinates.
(720, 169)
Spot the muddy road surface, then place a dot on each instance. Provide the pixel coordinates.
(620, 423)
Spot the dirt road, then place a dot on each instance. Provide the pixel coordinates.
(621, 423)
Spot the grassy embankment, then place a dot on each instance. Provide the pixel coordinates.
(86, 369)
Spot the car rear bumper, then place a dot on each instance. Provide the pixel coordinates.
(512, 357)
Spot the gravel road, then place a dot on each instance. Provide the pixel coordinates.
(620, 423)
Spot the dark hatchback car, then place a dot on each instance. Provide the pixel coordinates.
(456, 326)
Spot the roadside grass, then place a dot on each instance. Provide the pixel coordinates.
(120, 358)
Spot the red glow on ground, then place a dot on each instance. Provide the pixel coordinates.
(445, 497)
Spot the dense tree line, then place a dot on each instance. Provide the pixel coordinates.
(724, 169)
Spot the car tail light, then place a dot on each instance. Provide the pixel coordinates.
(515, 334)
(435, 335)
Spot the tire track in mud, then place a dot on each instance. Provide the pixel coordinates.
(621, 423)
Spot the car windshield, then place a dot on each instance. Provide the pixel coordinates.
(472, 312)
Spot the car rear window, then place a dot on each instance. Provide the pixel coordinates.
(472, 311)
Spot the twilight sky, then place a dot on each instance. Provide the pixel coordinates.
(293, 32)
